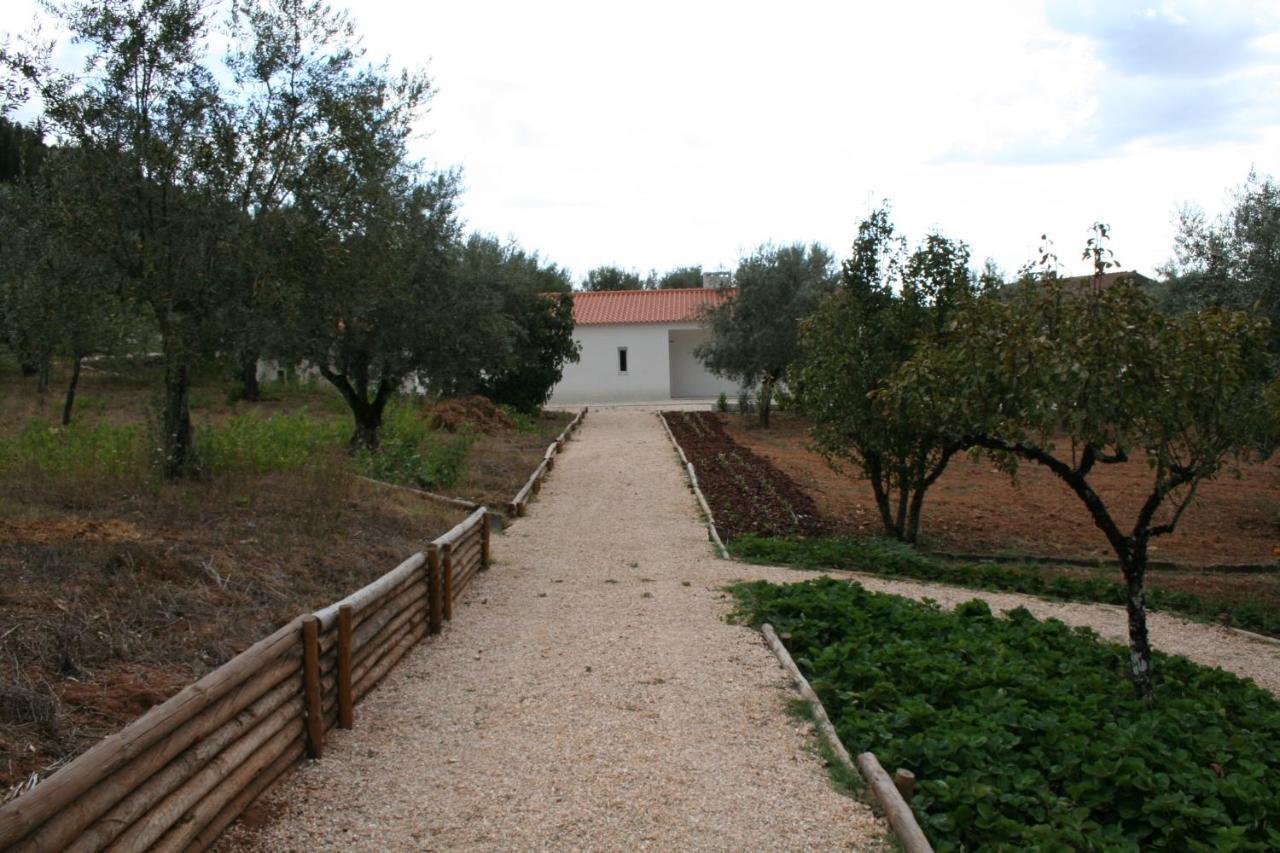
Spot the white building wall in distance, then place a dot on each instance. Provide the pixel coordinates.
(596, 377)
(689, 378)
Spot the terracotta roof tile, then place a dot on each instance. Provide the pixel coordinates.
(603, 307)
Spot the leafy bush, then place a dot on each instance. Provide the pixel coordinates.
(895, 559)
(1025, 734)
(722, 403)
(520, 421)
(80, 449)
(412, 453)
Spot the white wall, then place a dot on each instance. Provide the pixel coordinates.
(596, 378)
(689, 378)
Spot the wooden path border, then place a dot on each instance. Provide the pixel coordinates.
(712, 533)
(519, 505)
(177, 776)
(901, 819)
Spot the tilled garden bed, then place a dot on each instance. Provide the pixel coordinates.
(746, 492)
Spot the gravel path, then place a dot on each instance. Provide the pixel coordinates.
(588, 695)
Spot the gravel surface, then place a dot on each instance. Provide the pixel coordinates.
(588, 695)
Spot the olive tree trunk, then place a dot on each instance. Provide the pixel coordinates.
(71, 389)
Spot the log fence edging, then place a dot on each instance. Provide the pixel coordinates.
(519, 505)
(177, 776)
(712, 533)
(901, 819)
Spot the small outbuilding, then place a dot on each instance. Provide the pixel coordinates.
(637, 347)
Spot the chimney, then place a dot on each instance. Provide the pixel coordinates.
(719, 280)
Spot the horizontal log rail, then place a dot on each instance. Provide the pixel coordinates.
(901, 819)
(519, 505)
(177, 776)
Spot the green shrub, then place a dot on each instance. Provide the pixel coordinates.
(896, 559)
(722, 403)
(1025, 734)
(522, 422)
(411, 453)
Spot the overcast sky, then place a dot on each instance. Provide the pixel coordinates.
(659, 134)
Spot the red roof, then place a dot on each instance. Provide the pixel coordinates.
(603, 307)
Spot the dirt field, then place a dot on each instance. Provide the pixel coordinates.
(974, 509)
(116, 591)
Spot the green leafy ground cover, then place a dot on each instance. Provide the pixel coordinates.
(1025, 734)
(894, 559)
(411, 453)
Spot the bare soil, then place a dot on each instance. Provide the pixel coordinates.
(974, 509)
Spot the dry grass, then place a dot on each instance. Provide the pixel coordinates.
(114, 605)
(497, 465)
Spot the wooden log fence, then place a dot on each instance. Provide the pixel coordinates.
(177, 776)
(519, 505)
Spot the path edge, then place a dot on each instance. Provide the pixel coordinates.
(697, 490)
(901, 819)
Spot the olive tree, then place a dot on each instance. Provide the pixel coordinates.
(532, 321)
(612, 278)
(1072, 378)
(1232, 261)
(755, 334)
(889, 302)
(154, 149)
(61, 302)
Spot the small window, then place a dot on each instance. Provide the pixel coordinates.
(622, 359)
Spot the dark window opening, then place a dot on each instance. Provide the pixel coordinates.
(622, 359)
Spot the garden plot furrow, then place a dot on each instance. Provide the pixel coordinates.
(746, 492)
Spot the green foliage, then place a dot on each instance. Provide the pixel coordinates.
(889, 304)
(282, 442)
(612, 278)
(1234, 261)
(680, 278)
(413, 454)
(754, 336)
(1024, 735)
(80, 449)
(722, 403)
(896, 559)
(522, 365)
(1101, 365)
(522, 422)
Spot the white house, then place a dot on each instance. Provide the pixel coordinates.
(637, 347)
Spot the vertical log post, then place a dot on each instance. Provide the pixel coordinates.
(346, 711)
(905, 782)
(446, 569)
(311, 684)
(435, 590)
(484, 542)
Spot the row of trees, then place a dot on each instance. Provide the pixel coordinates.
(266, 207)
(908, 357)
(610, 277)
